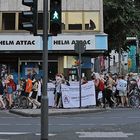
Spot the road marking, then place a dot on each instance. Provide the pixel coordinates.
(133, 117)
(97, 117)
(21, 133)
(13, 133)
(38, 134)
(108, 124)
(103, 134)
(24, 124)
(64, 124)
(89, 124)
(115, 117)
(5, 124)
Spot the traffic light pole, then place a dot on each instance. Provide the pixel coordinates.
(80, 79)
(44, 97)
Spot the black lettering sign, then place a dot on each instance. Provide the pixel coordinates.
(18, 43)
(61, 42)
(29, 42)
(11, 42)
(73, 42)
(33, 42)
(25, 42)
(3, 42)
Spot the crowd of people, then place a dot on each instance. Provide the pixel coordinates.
(29, 87)
(110, 90)
(114, 89)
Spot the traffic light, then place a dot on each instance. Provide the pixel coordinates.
(30, 20)
(55, 17)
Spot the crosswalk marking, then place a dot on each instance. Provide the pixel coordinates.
(22, 133)
(13, 133)
(38, 134)
(103, 134)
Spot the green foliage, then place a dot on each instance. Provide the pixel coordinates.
(121, 19)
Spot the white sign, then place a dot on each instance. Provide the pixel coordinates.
(67, 42)
(20, 42)
(70, 95)
(51, 88)
(131, 38)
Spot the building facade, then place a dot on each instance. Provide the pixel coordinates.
(21, 52)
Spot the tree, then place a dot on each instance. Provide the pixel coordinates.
(121, 19)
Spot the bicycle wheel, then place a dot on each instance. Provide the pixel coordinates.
(6, 102)
(134, 101)
(23, 103)
(16, 101)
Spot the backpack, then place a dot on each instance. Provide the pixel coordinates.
(101, 85)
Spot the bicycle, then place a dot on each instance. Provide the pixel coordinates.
(5, 100)
(134, 98)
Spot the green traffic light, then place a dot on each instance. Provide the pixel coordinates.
(55, 16)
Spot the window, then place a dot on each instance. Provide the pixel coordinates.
(40, 21)
(74, 20)
(81, 20)
(71, 21)
(63, 21)
(20, 22)
(8, 21)
(91, 21)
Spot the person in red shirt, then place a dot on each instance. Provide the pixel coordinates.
(29, 86)
(9, 89)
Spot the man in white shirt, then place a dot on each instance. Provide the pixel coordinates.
(122, 87)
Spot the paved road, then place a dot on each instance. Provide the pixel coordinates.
(115, 124)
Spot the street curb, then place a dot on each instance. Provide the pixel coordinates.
(25, 114)
(71, 112)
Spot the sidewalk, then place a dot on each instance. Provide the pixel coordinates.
(53, 111)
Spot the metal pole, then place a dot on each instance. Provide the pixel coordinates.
(44, 97)
(80, 79)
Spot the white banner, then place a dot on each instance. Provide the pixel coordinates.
(70, 95)
(51, 87)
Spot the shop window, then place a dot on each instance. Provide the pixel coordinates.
(91, 21)
(8, 21)
(74, 20)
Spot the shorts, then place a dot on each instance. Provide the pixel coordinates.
(122, 93)
(9, 90)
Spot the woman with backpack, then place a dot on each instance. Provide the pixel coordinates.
(9, 89)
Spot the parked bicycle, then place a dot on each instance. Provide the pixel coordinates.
(19, 101)
(134, 96)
